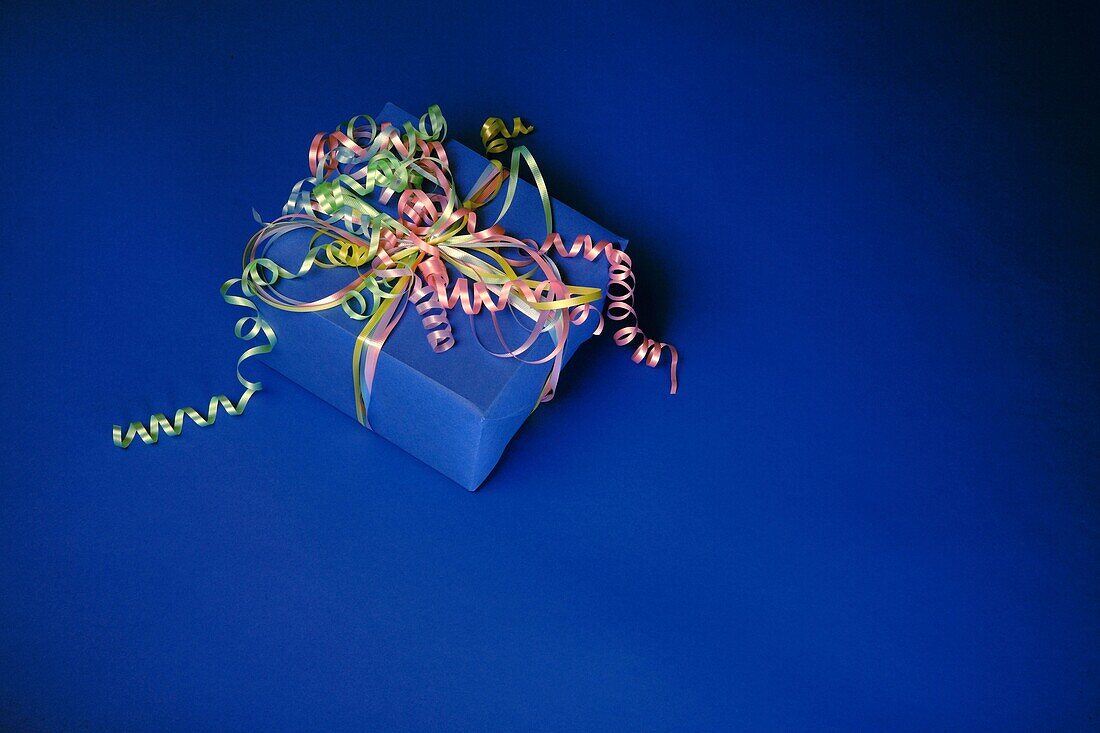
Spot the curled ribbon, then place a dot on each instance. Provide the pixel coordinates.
(495, 135)
(248, 328)
(410, 258)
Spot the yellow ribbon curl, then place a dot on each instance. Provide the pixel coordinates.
(247, 328)
(495, 134)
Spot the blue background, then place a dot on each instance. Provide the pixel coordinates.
(874, 504)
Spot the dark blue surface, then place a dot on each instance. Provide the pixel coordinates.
(874, 505)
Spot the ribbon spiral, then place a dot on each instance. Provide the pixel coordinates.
(495, 135)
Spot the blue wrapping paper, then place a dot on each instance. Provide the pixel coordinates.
(456, 410)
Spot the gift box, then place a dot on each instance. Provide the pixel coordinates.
(458, 409)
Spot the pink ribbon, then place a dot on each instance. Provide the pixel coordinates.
(427, 221)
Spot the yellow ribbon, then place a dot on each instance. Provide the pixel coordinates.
(495, 134)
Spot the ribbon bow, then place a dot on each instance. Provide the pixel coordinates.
(409, 258)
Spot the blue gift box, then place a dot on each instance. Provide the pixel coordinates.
(455, 410)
